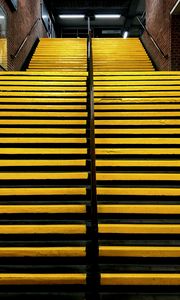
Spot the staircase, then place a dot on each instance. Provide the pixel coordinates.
(44, 184)
(65, 54)
(120, 55)
(137, 158)
(46, 122)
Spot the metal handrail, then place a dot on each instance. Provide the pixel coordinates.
(2, 68)
(13, 56)
(93, 280)
(152, 39)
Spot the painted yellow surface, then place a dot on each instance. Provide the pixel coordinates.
(3, 52)
(43, 151)
(138, 209)
(137, 163)
(42, 279)
(140, 279)
(140, 228)
(43, 229)
(136, 176)
(41, 209)
(42, 162)
(139, 251)
(138, 191)
(42, 251)
(43, 175)
(42, 191)
(36, 140)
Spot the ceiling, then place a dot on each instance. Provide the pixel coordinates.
(128, 9)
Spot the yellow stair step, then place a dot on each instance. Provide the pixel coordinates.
(42, 88)
(139, 228)
(42, 251)
(138, 151)
(42, 279)
(140, 279)
(140, 131)
(42, 151)
(36, 114)
(43, 229)
(137, 114)
(44, 175)
(36, 140)
(151, 122)
(138, 251)
(130, 191)
(41, 122)
(133, 176)
(41, 209)
(35, 131)
(42, 107)
(43, 100)
(44, 191)
(138, 209)
(43, 162)
(137, 163)
(136, 141)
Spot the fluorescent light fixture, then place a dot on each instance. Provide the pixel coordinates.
(71, 16)
(2, 17)
(44, 16)
(107, 16)
(125, 34)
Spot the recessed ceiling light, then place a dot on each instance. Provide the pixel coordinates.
(71, 16)
(107, 16)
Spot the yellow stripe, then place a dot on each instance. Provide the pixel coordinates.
(41, 89)
(43, 229)
(43, 162)
(140, 279)
(139, 251)
(41, 191)
(132, 176)
(42, 114)
(43, 107)
(136, 141)
(137, 114)
(140, 228)
(23, 140)
(43, 151)
(42, 122)
(138, 191)
(139, 151)
(41, 209)
(42, 251)
(136, 88)
(43, 100)
(137, 131)
(136, 163)
(42, 279)
(42, 175)
(137, 107)
(42, 131)
(137, 122)
(138, 209)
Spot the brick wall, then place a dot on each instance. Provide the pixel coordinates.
(175, 43)
(158, 23)
(19, 24)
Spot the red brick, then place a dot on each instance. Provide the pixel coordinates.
(19, 24)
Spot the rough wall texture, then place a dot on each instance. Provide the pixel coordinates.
(158, 23)
(175, 43)
(19, 23)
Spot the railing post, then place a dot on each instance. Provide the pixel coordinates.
(93, 278)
